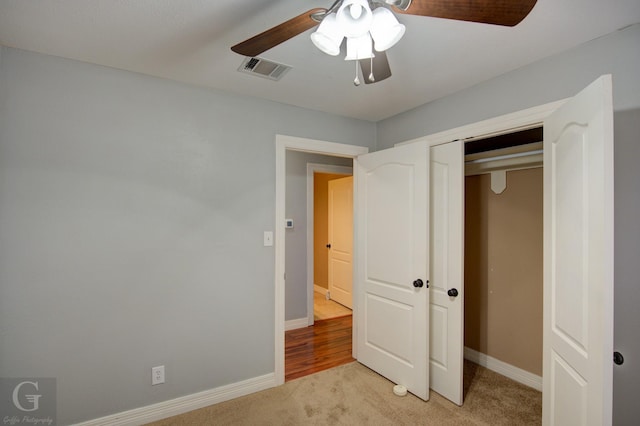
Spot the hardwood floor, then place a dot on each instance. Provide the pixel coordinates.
(324, 345)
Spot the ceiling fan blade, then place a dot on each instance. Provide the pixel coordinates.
(278, 34)
(498, 12)
(381, 69)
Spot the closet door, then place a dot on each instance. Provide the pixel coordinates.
(578, 260)
(392, 264)
(447, 270)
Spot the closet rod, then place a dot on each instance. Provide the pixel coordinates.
(504, 157)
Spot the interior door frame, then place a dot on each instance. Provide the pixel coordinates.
(508, 123)
(286, 143)
(313, 168)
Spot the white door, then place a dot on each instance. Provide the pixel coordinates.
(340, 239)
(578, 260)
(391, 263)
(447, 270)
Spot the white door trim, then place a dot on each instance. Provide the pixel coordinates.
(508, 123)
(311, 169)
(284, 143)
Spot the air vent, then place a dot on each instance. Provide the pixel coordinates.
(263, 68)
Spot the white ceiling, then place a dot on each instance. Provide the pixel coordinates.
(189, 41)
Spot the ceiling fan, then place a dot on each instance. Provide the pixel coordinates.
(365, 22)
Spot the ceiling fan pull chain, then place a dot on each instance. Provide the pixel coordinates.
(356, 81)
(371, 77)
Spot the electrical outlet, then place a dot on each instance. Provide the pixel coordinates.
(157, 375)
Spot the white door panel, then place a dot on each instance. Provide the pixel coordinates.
(392, 236)
(385, 317)
(447, 270)
(578, 260)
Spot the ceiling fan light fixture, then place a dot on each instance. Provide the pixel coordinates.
(354, 17)
(386, 31)
(328, 37)
(359, 48)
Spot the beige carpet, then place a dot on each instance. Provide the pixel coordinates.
(354, 395)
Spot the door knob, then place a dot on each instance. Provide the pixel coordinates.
(328, 245)
(419, 283)
(618, 359)
(453, 292)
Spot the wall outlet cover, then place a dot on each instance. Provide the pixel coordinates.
(157, 375)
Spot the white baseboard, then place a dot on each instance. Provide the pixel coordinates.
(508, 370)
(173, 407)
(296, 323)
(320, 290)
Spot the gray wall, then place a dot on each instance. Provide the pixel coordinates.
(548, 80)
(296, 238)
(132, 212)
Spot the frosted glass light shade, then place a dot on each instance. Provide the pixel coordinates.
(354, 17)
(328, 36)
(385, 29)
(359, 48)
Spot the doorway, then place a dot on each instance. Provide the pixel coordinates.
(343, 155)
(503, 260)
(321, 302)
(503, 275)
(325, 341)
(333, 245)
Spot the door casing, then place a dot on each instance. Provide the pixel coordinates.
(283, 144)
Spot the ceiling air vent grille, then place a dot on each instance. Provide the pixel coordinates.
(263, 68)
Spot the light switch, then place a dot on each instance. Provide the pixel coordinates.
(268, 238)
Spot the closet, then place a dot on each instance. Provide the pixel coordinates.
(503, 250)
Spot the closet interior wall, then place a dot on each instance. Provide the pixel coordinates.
(504, 268)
